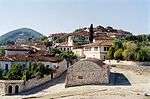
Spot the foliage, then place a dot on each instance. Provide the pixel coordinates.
(117, 44)
(55, 51)
(23, 34)
(143, 54)
(110, 54)
(1, 73)
(136, 48)
(91, 35)
(69, 56)
(15, 73)
(46, 42)
(2, 52)
(118, 54)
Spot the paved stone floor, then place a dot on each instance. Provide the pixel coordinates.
(124, 84)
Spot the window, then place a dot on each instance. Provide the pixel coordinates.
(88, 49)
(68, 49)
(95, 48)
(106, 48)
(47, 66)
(6, 66)
(64, 49)
(80, 77)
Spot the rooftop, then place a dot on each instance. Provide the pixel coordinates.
(99, 43)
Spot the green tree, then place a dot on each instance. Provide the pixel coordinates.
(2, 52)
(128, 54)
(15, 73)
(46, 42)
(117, 44)
(69, 56)
(40, 71)
(110, 53)
(118, 54)
(1, 73)
(91, 35)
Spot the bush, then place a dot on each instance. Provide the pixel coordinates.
(110, 53)
(118, 54)
(15, 73)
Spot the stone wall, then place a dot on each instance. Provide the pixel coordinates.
(85, 72)
(26, 85)
(5, 84)
(131, 65)
(36, 82)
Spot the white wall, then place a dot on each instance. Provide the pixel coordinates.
(99, 54)
(92, 53)
(78, 52)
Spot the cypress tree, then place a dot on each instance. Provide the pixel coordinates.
(91, 34)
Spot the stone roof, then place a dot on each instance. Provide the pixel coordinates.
(94, 60)
(88, 63)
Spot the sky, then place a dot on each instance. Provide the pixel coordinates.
(54, 16)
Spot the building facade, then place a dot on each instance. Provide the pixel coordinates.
(97, 49)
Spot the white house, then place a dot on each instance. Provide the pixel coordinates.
(66, 46)
(97, 49)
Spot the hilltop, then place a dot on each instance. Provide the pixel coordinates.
(19, 35)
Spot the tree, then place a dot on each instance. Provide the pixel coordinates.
(143, 54)
(1, 73)
(46, 42)
(2, 52)
(55, 51)
(15, 73)
(69, 56)
(91, 35)
(118, 54)
(129, 54)
(117, 44)
(40, 71)
(130, 45)
(110, 53)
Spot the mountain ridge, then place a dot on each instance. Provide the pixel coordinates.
(19, 34)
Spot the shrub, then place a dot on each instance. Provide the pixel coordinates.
(118, 54)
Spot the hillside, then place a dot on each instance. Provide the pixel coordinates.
(19, 35)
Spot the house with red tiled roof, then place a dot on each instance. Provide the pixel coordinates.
(97, 49)
(25, 55)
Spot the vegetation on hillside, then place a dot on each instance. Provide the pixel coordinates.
(135, 48)
(20, 35)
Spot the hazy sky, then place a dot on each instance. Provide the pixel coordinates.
(51, 16)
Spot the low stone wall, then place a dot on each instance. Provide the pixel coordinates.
(131, 65)
(26, 85)
(36, 82)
